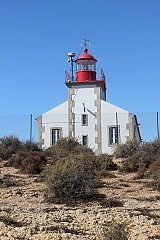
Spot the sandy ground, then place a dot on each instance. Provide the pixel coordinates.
(24, 215)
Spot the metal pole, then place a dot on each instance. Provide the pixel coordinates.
(30, 128)
(157, 126)
(117, 127)
(72, 69)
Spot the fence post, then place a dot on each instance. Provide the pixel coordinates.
(118, 130)
(157, 126)
(30, 128)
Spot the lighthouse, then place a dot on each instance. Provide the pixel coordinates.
(85, 91)
(86, 115)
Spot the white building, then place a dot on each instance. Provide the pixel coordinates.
(86, 115)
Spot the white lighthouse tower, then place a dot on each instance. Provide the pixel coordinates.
(84, 101)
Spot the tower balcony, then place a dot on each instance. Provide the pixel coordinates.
(99, 75)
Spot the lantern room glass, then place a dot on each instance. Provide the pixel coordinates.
(86, 65)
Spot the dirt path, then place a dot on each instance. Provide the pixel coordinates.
(24, 214)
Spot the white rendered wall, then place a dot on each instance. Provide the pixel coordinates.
(109, 119)
(85, 96)
(55, 118)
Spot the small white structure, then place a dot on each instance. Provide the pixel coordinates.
(86, 115)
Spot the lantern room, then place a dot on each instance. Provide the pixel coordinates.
(85, 67)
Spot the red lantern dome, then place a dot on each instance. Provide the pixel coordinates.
(85, 67)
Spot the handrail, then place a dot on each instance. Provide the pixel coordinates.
(99, 72)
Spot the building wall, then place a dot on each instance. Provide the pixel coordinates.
(84, 98)
(113, 116)
(101, 115)
(55, 118)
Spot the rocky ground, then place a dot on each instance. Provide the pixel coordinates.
(25, 216)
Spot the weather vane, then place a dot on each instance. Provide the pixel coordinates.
(85, 42)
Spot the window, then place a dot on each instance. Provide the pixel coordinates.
(56, 135)
(113, 135)
(84, 119)
(84, 140)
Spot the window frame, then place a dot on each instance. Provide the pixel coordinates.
(113, 140)
(86, 120)
(57, 137)
(86, 140)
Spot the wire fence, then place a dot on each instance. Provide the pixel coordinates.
(25, 127)
(149, 125)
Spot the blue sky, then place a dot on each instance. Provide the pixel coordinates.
(36, 35)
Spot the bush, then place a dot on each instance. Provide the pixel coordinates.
(102, 164)
(155, 165)
(154, 172)
(127, 149)
(141, 158)
(66, 147)
(152, 147)
(68, 144)
(7, 181)
(33, 163)
(139, 161)
(30, 146)
(9, 145)
(70, 179)
(12, 145)
(16, 159)
(28, 162)
(115, 230)
(5, 153)
(156, 183)
(69, 147)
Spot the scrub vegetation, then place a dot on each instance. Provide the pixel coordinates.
(72, 170)
(116, 230)
(144, 160)
(73, 174)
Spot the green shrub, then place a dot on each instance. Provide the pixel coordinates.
(12, 145)
(28, 162)
(156, 183)
(139, 157)
(9, 145)
(16, 159)
(30, 146)
(127, 149)
(155, 165)
(33, 163)
(102, 164)
(115, 230)
(7, 181)
(70, 179)
(152, 148)
(5, 153)
(71, 148)
(139, 161)
(66, 147)
(154, 172)
(69, 144)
